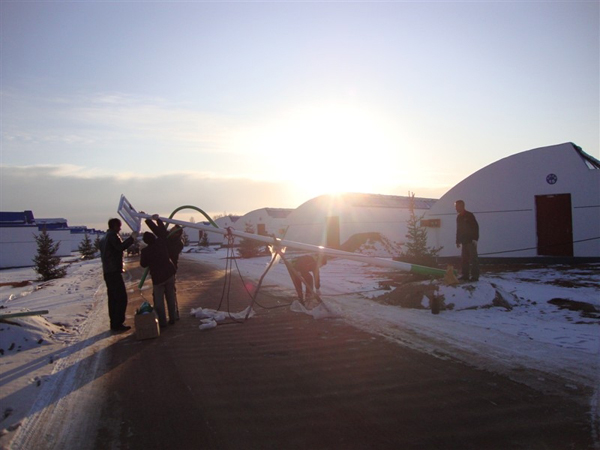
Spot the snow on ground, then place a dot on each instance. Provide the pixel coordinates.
(565, 341)
(525, 337)
(31, 346)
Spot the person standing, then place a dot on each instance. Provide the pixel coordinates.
(111, 252)
(467, 235)
(175, 244)
(175, 247)
(162, 270)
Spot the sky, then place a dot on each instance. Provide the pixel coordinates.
(235, 106)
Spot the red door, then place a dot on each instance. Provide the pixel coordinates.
(554, 225)
(333, 232)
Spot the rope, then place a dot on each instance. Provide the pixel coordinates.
(535, 248)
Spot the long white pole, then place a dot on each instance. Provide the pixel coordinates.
(381, 262)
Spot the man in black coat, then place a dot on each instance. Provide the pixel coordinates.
(175, 243)
(156, 257)
(111, 252)
(467, 235)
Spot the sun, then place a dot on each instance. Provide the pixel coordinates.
(331, 148)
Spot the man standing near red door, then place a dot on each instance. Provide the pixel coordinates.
(467, 235)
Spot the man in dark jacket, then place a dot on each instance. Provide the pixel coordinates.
(175, 244)
(111, 252)
(467, 235)
(156, 257)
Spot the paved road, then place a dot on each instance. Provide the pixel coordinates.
(286, 381)
(283, 380)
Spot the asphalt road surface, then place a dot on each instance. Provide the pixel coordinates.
(283, 380)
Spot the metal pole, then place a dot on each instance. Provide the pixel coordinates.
(381, 262)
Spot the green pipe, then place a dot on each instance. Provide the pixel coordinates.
(196, 209)
(424, 270)
(175, 211)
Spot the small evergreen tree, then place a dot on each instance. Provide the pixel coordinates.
(46, 262)
(185, 238)
(416, 236)
(97, 243)
(86, 248)
(204, 240)
(249, 247)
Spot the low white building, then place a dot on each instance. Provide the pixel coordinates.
(229, 221)
(17, 239)
(331, 220)
(59, 232)
(543, 202)
(266, 221)
(78, 234)
(18, 231)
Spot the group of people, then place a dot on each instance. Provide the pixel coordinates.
(161, 256)
(163, 247)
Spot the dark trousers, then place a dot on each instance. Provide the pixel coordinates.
(469, 259)
(117, 298)
(298, 283)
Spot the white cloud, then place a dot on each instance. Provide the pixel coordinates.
(90, 197)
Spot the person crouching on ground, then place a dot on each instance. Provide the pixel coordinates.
(303, 266)
(156, 257)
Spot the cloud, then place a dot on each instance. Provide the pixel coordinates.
(107, 123)
(88, 197)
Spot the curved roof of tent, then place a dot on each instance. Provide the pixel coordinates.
(368, 201)
(273, 213)
(545, 171)
(504, 195)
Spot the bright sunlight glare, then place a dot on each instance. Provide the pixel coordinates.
(329, 149)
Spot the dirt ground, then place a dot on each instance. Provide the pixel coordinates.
(283, 380)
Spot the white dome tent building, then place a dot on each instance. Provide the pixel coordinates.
(332, 220)
(537, 204)
(226, 221)
(265, 221)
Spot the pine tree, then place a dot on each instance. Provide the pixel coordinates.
(416, 236)
(46, 262)
(86, 248)
(97, 243)
(204, 240)
(185, 238)
(249, 247)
